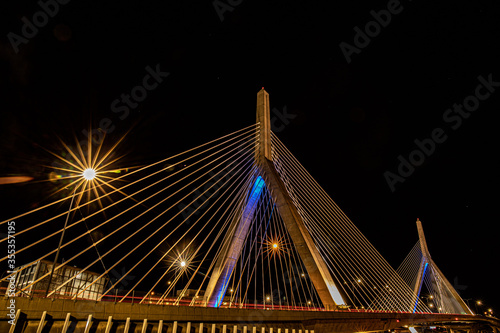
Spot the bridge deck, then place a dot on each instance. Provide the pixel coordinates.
(319, 321)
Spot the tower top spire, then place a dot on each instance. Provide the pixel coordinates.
(264, 120)
(421, 236)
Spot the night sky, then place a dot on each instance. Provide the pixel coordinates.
(348, 120)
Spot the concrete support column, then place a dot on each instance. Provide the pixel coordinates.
(224, 266)
(127, 325)
(109, 324)
(16, 318)
(428, 261)
(264, 118)
(315, 265)
(42, 322)
(67, 322)
(88, 325)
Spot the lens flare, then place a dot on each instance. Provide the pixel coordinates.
(89, 174)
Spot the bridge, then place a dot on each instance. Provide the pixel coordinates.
(233, 235)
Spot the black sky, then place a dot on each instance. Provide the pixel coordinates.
(352, 120)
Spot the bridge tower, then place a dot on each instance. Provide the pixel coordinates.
(268, 177)
(437, 278)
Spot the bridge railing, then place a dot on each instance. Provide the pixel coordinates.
(138, 297)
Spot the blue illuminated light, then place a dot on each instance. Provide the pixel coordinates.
(420, 287)
(251, 204)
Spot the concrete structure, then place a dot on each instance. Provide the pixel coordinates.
(427, 263)
(108, 317)
(316, 267)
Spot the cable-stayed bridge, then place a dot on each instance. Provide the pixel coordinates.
(232, 235)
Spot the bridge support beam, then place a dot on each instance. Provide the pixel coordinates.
(238, 231)
(316, 268)
(42, 322)
(424, 265)
(109, 324)
(88, 325)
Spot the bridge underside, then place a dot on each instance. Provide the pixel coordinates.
(318, 321)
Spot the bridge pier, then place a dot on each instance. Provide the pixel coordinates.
(428, 263)
(268, 177)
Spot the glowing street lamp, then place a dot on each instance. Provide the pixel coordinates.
(89, 174)
(84, 170)
(62, 236)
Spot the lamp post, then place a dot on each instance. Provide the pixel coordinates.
(476, 304)
(88, 174)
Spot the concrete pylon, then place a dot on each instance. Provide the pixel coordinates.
(268, 176)
(427, 263)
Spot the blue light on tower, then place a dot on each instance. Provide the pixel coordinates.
(251, 204)
(418, 295)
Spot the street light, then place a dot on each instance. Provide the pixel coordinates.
(89, 174)
(85, 171)
(60, 243)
